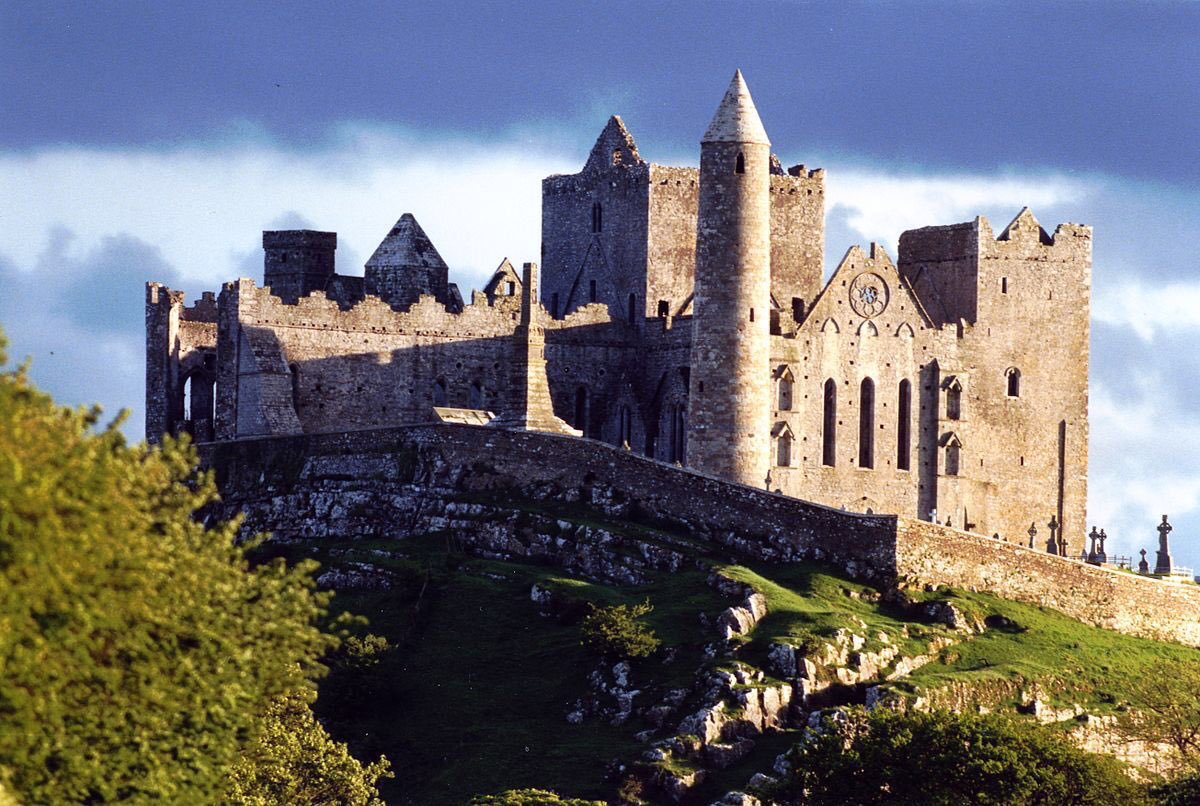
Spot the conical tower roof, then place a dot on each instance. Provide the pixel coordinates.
(736, 120)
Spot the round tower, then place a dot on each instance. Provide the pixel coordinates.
(729, 420)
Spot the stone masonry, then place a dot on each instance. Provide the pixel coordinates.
(682, 314)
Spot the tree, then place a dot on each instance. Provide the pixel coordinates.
(1165, 711)
(140, 654)
(617, 631)
(885, 757)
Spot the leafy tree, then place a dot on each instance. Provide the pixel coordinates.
(885, 757)
(530, 797)
(1181, 791)
(293, 760)
(140, 655)
(617, 631)
(1165, 711)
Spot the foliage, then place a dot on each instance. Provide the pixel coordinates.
(1181, 791)
(887, 757)
(617, 631)
(1167, 711)
(138, 650)
(530, 797)
(293, 760)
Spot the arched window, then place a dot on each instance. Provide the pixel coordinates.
(597, 217)
(439, 392)
(739, 166)
(829, 430)
(866, 424)
(1014, 382)
(954, 401)
(678, 433)
(953, 450)
(786, 383)
(476, 395)
(626, 426)
(903, 425)
(187, 398)
(632, 308)
(581, 408)
(783, 450)
(591, 291)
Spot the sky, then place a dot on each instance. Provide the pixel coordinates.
(156, 141)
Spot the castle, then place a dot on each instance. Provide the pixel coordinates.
(682, 315)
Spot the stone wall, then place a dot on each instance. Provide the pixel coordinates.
(497, 492)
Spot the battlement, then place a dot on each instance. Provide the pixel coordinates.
(299, 239)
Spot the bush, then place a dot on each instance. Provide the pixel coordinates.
(1181, 791)
(616, 630)
(140, 655)
(884, 757)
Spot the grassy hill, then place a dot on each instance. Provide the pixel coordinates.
(472, 692)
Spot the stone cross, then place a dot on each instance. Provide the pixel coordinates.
(1094, 536)
(1102, 556)
(1163, 564)
(1054, 545)
(1143, 566)
(1032, 533)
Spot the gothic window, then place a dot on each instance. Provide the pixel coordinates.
(626, 426)
(785, 386)
(632, 308)
(797, 308)
(581, 407)
(868, 329)
(439, 392)
(187, 398)
(664, 309)
(678, 433)
(783, 450)
(476, 395)
(592, 291)
(829, 429)
(866, 424)
(597, 217)
(903, 425)
(1014, 382)
(954, 402)
(740, 165)
(953, 455)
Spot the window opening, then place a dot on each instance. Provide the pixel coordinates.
(632, 308)
(1003, 285)
(866, 424)
(783, 456)
(664, 309)
(785, 391)
(1014, 382)
(476, 395)
(592, 291)
(510, 288)
(828, 431)
(597, 217)
(740, 165)
(952, 458)
(903, 425)
(439, 392)
(953, 403)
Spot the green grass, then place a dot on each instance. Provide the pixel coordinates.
(472, 698)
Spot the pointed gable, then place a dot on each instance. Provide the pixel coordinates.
(505, 282)
(866, 289)
(614, 147)
(736, 119)
(1024, 227)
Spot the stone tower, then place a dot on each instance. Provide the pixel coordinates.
(730, 418)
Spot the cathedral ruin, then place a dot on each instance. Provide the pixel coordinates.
(681, 313)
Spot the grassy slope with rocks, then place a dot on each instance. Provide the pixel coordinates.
(472, 695)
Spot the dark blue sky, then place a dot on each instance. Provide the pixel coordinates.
(1079, 86)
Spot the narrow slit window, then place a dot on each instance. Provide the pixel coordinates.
(1014, 382)
(829, 428)
(632, 308)
(592, 291)
(866, 424)
(739, 166)
(597, 217)
(903, 426)
(952, 458)
(1003, 285)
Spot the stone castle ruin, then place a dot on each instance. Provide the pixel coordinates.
(682, 314)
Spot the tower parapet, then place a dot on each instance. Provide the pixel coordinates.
(297, 262)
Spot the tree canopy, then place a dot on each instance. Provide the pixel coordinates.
(885, 757)
(140, 653)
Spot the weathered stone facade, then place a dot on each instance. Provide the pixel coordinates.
(683, 315)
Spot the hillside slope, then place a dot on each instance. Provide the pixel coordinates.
(484, 685)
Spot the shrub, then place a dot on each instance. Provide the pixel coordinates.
(530, 797)
(617, 631)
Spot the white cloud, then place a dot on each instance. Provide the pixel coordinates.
(1148, 310)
